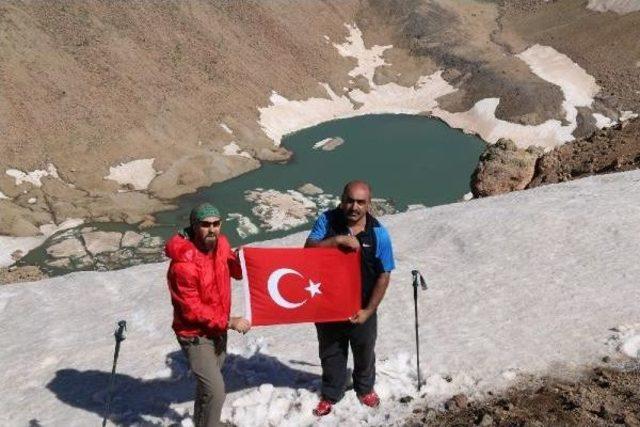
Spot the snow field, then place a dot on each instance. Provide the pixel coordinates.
(136, 173)
(536, 282)
(621, 7)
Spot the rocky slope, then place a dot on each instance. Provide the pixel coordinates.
(503, 167)
(604, 396)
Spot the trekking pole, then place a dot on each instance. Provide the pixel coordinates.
(120, 336)
(418, 280)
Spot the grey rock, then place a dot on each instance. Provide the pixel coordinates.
(131, 239)
(59, 263)
(102, 241)
(17, 254)
(67, 248)
(459, 401)
(329, 144)
(380, 207)
(309, 189)
(152, 242)
(147, 251)
(503, 167)
(85, 261)
(486, 421)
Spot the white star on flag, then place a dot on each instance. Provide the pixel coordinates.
(313, 288)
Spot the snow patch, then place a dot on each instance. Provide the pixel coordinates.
(627, 115)
(283, 116)
(3, 196)
(245, 226)
(226, 128)
(481, 119)
(368, 59)
(233, 149)
(603, 121)
(577, 85)
(618, 6)
(34, 177)
(626, 340)
(136, 173)
(631, 346)
(415, 207)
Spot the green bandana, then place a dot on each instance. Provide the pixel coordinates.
(202, 211)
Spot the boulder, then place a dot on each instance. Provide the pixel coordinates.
(309, 189)
(59, 263)
(102, 241)
(67, 248)
(503, 167)
(19, 221)
(131, 239)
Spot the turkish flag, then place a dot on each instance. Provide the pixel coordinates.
(287, 285)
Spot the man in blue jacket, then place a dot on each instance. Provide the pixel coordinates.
(351, 227)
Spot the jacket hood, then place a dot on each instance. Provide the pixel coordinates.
(181, 249)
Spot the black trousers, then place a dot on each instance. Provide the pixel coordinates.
(334, 339)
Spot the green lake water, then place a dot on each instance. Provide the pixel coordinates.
(407, 160)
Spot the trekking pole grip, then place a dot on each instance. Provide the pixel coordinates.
(120, 331)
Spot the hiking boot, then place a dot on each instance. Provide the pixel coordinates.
(370, 399)
(323, 408)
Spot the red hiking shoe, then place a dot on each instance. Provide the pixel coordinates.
(370, 399)
(323, 408)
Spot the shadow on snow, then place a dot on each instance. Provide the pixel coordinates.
(138, 401)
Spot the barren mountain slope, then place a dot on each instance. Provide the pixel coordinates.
(86, 86)
(604, 44)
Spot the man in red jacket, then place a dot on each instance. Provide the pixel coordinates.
(199, 277)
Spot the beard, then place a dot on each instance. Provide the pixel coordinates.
(210, 241)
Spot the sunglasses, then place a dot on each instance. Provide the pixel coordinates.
(207, 224)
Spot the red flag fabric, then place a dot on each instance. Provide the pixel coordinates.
(295, 285)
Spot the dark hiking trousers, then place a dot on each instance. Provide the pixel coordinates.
(206, 357)
(334, 340)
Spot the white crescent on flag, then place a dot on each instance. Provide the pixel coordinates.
(274, 291)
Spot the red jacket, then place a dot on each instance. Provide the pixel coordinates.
(200, 286)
